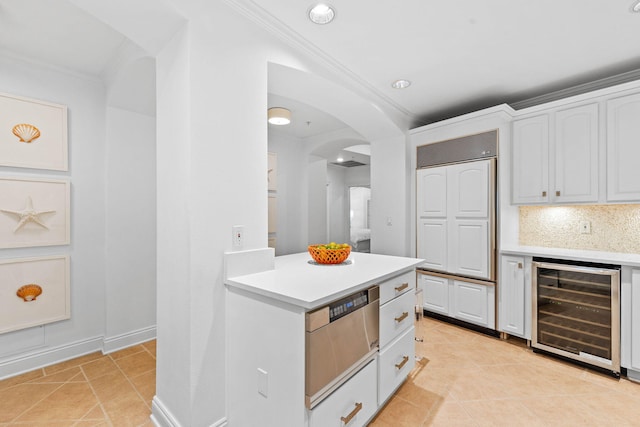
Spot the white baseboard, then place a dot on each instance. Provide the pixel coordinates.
(129, 339)
(162, 417)
(39, 359)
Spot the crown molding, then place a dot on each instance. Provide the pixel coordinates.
(273, 25)
(580, 89)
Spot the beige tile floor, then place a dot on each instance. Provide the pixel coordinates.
(92, 390)
(469, 379)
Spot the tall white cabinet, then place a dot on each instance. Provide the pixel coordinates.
(454, 209)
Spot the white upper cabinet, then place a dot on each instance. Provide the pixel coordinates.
(623, 149)
(576, 155)
(530, 162)
(555, 157)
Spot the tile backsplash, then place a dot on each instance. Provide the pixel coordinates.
(614, 228)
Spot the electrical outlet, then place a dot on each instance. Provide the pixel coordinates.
(585, 227)
(237, 236)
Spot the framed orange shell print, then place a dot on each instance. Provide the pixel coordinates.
(34, 291)
(33, 133)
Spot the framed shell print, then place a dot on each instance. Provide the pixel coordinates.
(33, 133)
(34, 212)
(34, 291)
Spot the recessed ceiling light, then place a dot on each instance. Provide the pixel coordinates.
(340, 160)
(278, 116)
(635, 7)
(322, 14)
(401, 84)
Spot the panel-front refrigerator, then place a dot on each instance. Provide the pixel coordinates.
(455, 235)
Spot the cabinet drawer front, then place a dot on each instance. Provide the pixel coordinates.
(395, 363)
(354, 401)
(396, 316)
(397, 286)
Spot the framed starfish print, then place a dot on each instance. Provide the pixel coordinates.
(34, 212)
(33, 133)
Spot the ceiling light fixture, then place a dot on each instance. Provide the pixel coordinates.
(401, 84)
(322, 14)
(340, 160)
(636, 7)
(278, 116)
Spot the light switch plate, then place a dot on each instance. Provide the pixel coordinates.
(263, 382)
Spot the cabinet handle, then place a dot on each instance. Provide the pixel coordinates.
(557, 193)
(401, 318)
(401, 287)
(544, 194)
(520, 265)
(405, 359)
(352, 414)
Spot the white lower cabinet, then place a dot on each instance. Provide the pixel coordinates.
(514, 314)
(435, 293)
(352, 405)
(472, 302)
(630, 321)
(395, 363)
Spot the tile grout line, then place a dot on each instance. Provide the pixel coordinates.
(93, 390)
(132, 384)
(13, 420)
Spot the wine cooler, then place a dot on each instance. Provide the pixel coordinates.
(576, 311)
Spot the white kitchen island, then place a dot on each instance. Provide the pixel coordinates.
(266, 338)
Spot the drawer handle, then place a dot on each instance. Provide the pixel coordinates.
(352, 414)
(401, 287)
(557, 193)
(400, 365)
(401, 318)
(520, 265)
(544, 194)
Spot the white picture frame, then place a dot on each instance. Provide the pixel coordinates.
(22, 304)
(21, 119)
(34, 212)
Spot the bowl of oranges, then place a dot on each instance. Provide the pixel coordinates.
(331, 253)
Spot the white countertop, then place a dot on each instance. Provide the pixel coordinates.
(294, 280)
(632, 260)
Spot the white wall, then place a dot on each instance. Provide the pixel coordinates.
(85, 99)
(131, 228)
(317, 199)
(112, 250)
(291, 195)
(338, 205)
(389, 197)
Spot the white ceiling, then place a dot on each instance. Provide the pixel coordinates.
(467, 54)
(460, 55)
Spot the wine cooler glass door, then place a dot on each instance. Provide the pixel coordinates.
(576, 313)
